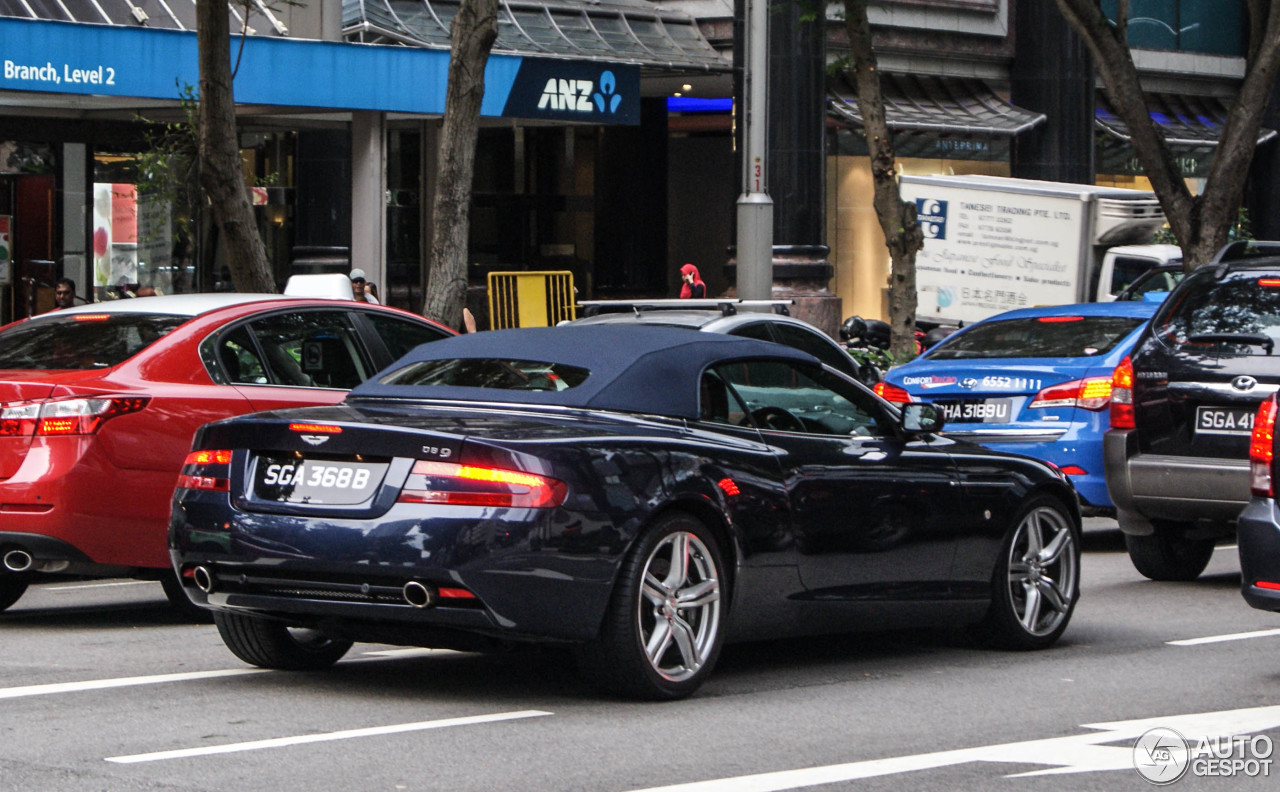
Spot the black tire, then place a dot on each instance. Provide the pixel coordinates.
(177, 596)
(272, 644)
(12, 587)
(1168, 554)
(1036, 582)
(679, 613)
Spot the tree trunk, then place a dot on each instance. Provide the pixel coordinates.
(221, 169)
(897, 218)
(471, 37)
(1200, 223)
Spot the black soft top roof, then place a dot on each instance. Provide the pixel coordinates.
(653, 370)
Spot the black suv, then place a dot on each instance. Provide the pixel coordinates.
(1183, 406)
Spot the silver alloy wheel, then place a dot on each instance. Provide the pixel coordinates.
(679, 611)
(1043, 570)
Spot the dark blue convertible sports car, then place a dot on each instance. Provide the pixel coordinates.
(640, 495)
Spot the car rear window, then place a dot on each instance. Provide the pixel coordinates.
(82, 340)
(527, 375)
(1243, 304)
(1039, 337)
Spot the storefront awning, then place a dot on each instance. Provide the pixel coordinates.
(157, 14)
(1187, 121)
(617, 31)
(924, 103)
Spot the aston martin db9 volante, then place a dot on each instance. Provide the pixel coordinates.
(638, 494)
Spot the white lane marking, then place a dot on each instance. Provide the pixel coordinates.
(1221, 638)
(1081, 753)
(281, 742)
(103, 684)
(156, 679)
(78, 586)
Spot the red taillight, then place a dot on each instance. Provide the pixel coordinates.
(206, 469)
(1267, 584)
(75, 416)
(208, 457)
(1092, 393)
(1055, 319)
(1262, 449)
(19, 420)
(892, 393)
(1074, 470)
(1122, 396)
(88, 317)
(1269, 283)
(449, 483)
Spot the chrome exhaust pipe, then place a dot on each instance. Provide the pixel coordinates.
(416, 594)
(18, 561)
(203, 579)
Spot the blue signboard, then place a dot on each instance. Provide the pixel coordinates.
(69, 58)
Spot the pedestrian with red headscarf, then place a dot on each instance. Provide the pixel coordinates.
(693, 287)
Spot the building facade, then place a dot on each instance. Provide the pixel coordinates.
(607, 142)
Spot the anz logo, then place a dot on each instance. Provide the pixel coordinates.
(579, 96)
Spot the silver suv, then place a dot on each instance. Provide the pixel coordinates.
(723, 316)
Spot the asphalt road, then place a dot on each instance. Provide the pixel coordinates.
(102, 689)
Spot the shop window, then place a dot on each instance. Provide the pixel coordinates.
(132, 248)
(1210, 27)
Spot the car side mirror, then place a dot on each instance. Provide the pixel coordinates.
(921, 418)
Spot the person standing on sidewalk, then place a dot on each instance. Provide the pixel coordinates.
(693, 287)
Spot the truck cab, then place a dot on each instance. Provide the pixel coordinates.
(1123, 264)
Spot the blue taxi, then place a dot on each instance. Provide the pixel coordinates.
(1034, 381)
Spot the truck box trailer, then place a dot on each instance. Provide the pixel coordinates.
(993, 243)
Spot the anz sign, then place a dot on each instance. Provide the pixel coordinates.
(576, 91)
(581, 96)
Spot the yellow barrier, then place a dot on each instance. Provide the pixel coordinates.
(530, 299)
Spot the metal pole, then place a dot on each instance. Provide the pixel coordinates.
(755, 207)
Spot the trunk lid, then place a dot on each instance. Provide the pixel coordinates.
(1202, 406)
(996, 396)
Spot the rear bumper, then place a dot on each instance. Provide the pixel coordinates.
(1258, 532)
(1066, 447)
(528, 582)
(1147, 487)
(68, 491)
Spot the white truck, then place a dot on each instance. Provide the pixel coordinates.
(993, 243)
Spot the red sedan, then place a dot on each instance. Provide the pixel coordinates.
(98, 405)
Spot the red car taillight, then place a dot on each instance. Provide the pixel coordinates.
(1093, 393)
(892, 393)
(207, 469)
(1122, 396)
(74, 416)
(1262, 449)
(449, 483)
